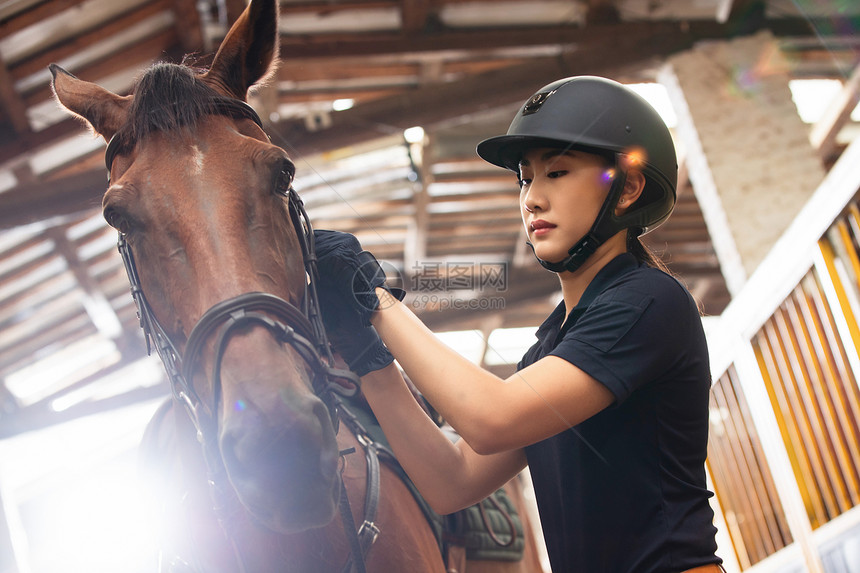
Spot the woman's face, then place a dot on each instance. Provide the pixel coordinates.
(561, 192)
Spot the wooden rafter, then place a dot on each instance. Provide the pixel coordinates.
(414, 15)
(40, 61)
(823, 133)
(34, 15)
(146, 52)
(188, 25)
(45, 200)
(13, 107)
(95, 302)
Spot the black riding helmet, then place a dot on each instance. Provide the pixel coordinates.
(599, 116)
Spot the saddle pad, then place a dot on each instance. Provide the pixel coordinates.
(486, 529)
(483, 529)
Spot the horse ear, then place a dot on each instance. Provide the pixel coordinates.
(249, 52)
(103, 110)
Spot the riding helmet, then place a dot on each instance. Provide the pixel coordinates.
(600, 116)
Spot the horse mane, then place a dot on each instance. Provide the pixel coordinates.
(167, 97)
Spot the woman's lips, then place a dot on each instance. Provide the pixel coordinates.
(540, 227)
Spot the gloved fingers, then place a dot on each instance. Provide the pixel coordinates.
(326, 241)
(361, 348)
(373, 275)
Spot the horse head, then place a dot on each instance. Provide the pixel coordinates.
(197, 192)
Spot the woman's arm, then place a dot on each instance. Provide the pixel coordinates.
(492, 415)
(449, 476)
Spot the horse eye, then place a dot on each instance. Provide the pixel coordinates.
(285, 178)
(117, 220)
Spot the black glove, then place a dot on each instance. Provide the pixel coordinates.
(346, 290)
(352, 272)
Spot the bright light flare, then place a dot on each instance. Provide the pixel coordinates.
(414, 134)
(79, 496)
(634, 158)
(96, 522)
(608, 175)
(342, 104)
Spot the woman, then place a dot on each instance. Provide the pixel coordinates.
(609, 408)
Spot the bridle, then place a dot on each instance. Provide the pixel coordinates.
(301, 328)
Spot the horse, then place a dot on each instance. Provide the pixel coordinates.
(261, 471)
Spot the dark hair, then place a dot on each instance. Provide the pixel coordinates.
(643, 254)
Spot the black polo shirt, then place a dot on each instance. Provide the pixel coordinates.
(625, 491)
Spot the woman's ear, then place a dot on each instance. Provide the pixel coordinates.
(633, 187)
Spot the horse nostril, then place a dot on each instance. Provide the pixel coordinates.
(294, 446)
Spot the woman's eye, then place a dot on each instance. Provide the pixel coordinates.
(556, 174)
(524, 181)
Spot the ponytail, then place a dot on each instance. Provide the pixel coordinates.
(643, 254)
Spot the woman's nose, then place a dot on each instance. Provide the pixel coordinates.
(533, 200)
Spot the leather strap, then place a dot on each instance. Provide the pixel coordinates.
(355, 545)
(362, 538)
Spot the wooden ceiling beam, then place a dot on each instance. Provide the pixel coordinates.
(145, 52)
(414, 15)
(607, 48)
(62, 333)
(602, 12)
(22, 271)
(360, 96)
(486, 40)
(47, 199)
(451, 41)
(139, 353)
(43, 322)
(13, 107)
(188, 25)
(308, 79)
(39, 61)
(426, 106)
(35, 297)
(431, 105)
(35, 15)
(20, 150)
(329, 7)
(26, 419)
(314, 70)
(94, 300)
(823, 134)
(348, 70)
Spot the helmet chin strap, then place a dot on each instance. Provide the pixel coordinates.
(605, 225)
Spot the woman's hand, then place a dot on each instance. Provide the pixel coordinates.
(351, 272)
(347, 300)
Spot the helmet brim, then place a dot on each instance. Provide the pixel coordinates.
(507, 150)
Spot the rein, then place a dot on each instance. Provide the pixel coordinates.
(301, 328)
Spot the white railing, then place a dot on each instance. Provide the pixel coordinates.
(729, 337)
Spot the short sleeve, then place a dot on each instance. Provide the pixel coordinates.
(630, 334)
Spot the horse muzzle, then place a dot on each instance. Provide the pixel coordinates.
(282, 462)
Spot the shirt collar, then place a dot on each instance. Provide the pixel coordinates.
(615, 268)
